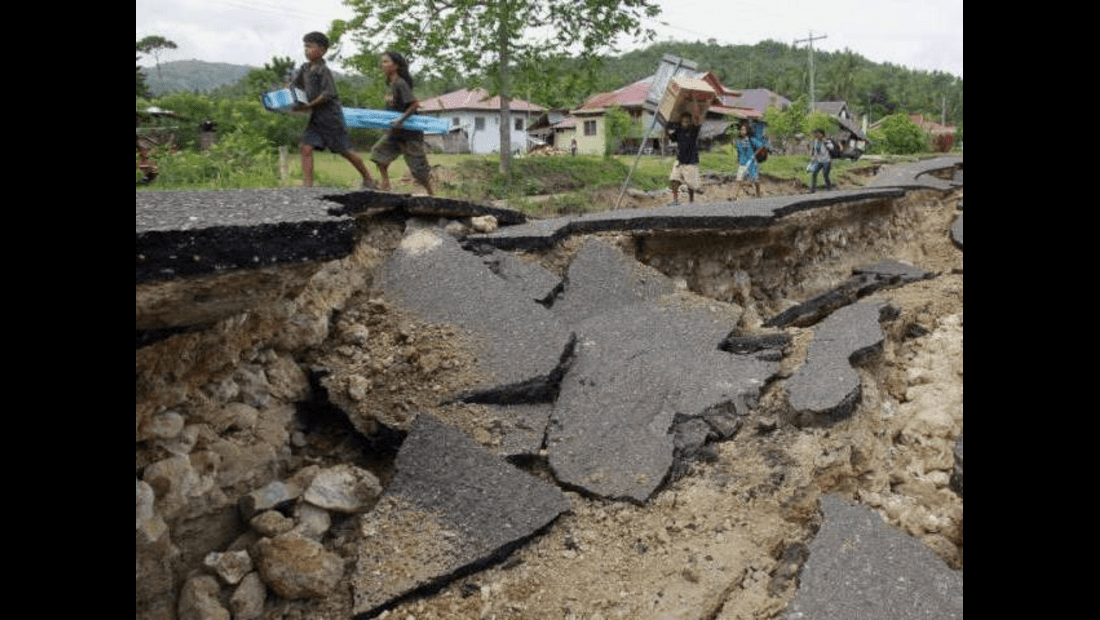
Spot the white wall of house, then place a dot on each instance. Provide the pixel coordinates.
(483, 128)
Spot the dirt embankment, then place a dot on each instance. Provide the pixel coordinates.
(223, 412)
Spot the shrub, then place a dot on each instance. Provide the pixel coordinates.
(898, 135)
(943, 142)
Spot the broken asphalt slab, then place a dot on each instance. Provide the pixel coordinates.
(957, 232)
(864, 281)
(370, 201)
(184, 233)
(920, 174)
(861, 568)
(601, 278)
(751, 213)
(519, 343)
(827, 387)
(206, 255)
(638, 372)
(450, 509)
(647, 381)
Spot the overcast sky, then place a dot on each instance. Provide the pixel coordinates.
(918, 34)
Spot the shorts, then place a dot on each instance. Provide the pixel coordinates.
(747, 172)
(323, 132)
(387, 149)
(685, 174)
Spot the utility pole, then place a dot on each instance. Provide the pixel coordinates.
(811, 40)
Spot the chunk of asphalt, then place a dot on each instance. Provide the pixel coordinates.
(638, 369)
(366, 201)
(916, 174)
(535, 281)
(517, 340)
(861, 568)
(522, 428)
(203, 256)
(740, 214)
(864, 281)
(957, 232)
(452, 508)
(188, 233)
(826, 384)
(601, 278)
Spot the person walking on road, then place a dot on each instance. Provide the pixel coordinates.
(820, 161)
(686, 169)
(747, 145)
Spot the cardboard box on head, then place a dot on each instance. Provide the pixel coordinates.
(680, 95)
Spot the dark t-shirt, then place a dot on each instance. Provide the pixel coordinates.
(687, 143)
(327, 119)
(398, 99)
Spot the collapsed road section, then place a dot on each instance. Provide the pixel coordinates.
(642, 413)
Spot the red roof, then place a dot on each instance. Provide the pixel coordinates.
(476, 99)
(631, 95)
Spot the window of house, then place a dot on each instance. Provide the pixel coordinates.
(454, 122)
(589, 128)
(519, 124)
(479, 123)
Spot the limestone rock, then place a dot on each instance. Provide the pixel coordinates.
(199, 600)
(271, 523)
(343, 488)
(297, 568)
(230, 566)
(247, 602)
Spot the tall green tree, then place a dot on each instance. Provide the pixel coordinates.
(155, 45)
(491, 38)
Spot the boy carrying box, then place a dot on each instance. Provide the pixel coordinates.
(686, 169)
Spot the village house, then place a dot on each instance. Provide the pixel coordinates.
(475, 121)
(588, 121)
(759, 99)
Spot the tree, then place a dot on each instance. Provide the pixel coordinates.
(271, 77)
(155, 45)
(617, 126)
(489, 39)
(142, 87)
(897, 134)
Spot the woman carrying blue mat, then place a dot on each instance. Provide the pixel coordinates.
(398, 140)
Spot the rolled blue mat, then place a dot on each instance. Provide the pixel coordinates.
(381, 119)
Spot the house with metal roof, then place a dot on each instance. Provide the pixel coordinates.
(475, 120)
(590, 116)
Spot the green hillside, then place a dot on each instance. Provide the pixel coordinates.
(192, 76)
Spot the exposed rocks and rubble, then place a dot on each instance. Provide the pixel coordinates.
(634, 422)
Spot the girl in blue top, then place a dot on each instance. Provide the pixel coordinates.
(747, 145)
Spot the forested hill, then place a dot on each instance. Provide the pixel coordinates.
(867, 86)
(192, 75)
